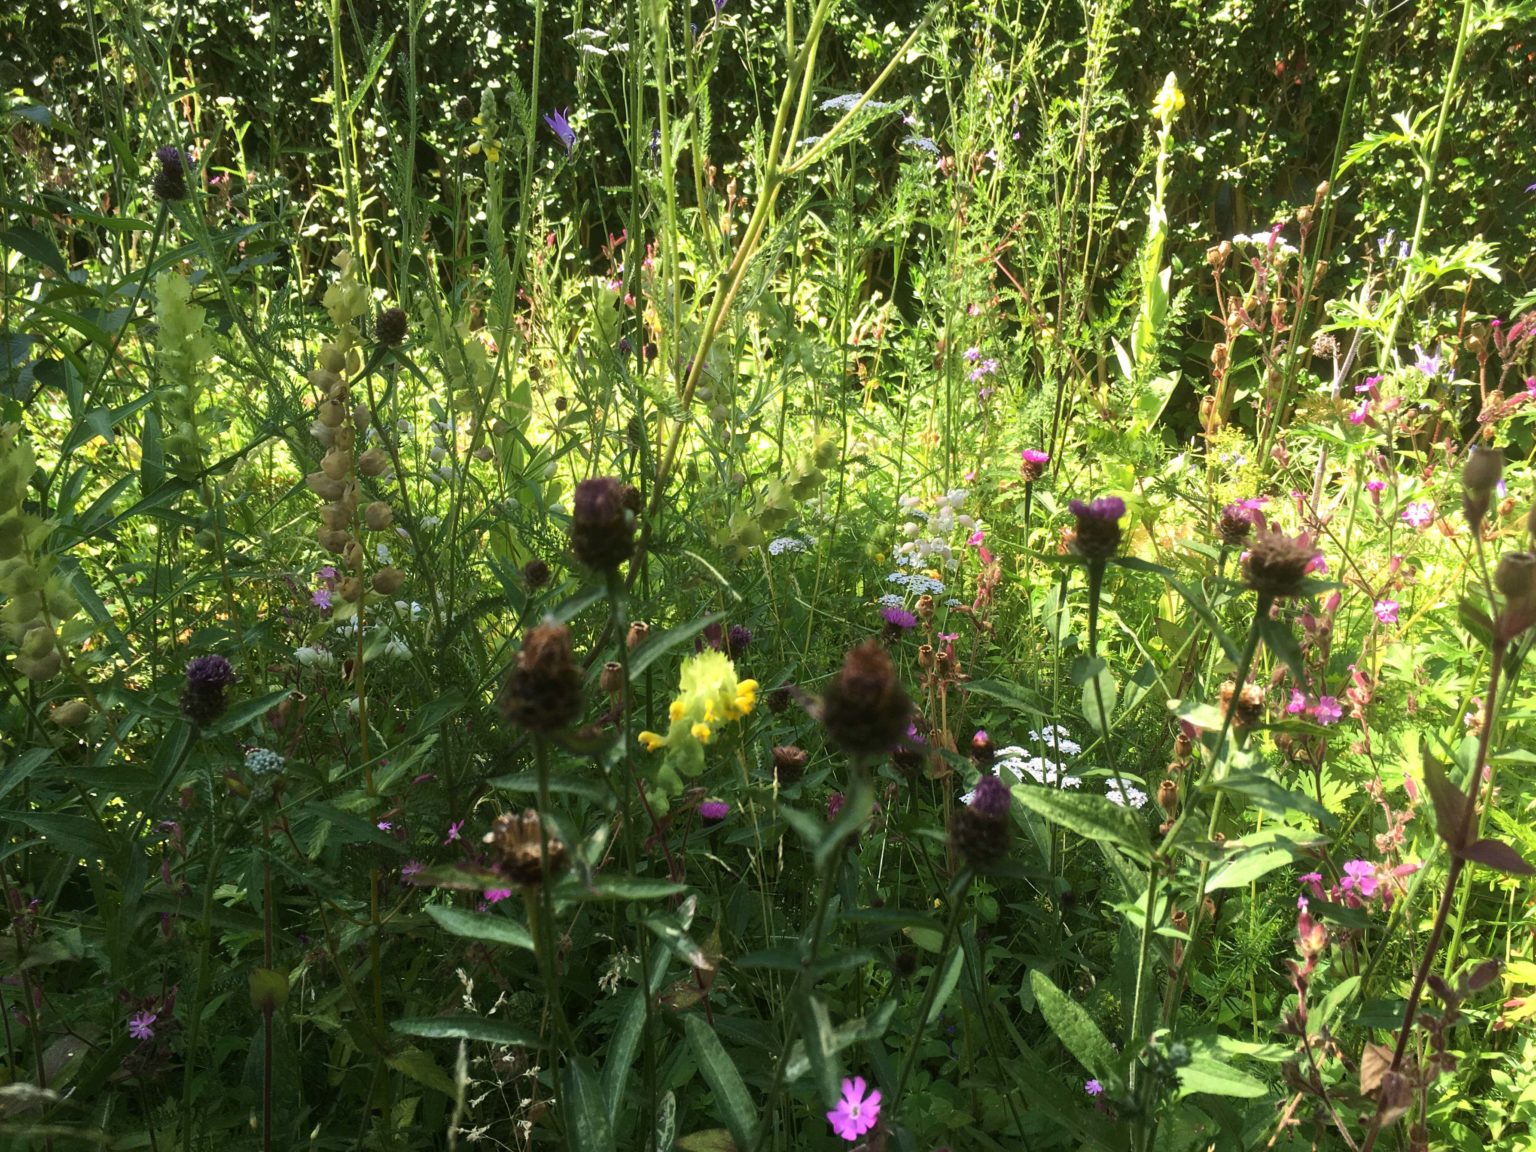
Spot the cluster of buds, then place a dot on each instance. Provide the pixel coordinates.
(341, 426)
(37, 599)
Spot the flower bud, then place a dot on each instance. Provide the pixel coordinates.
(1483, 470)
(1515, 577)
(70, 714)
(789, 763)
(865, 708)
(543, 687)
(602, 523)
(388, 580)
(524, 850)
(391, 327)
(1098, 527)
(980, 831)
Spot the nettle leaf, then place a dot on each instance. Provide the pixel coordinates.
(1499, 856)
(1074, 1027)
(1450, 803)
(1092, 817)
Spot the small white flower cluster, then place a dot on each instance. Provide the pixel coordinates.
(318, 656)
(1263, 240)
(846, 101)
(1131, 795)
(928, 528)
(783, 544)
(260, 761)
(1041, 769)
(917, 583)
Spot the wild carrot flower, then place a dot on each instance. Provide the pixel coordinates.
(141, 1025)
(855, 1113)
(1128, 796)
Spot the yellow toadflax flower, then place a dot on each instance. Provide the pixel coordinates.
(709, 696)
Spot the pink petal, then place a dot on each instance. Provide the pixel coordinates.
(853, 1089)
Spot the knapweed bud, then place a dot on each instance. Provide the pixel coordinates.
(980, 830)
(1515, 577)
(1098, 527)
(170, 179)
(1234, 525)
(543, 688)
(535, 574)
(789, 763)
(1276, 564)
(390, 327)
(1246, 707)
(202, 699)
(982, 750)
(865, 708)
(602, 524)
(522, 850)
(1032, 464)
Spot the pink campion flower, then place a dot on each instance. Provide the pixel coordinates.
(1314, 881)
(141, 1025)
(1420, 514)
(453, 831)
(1093, 1088)
(1327, 710)
(1360, 876)
(834, 805)
(410, 870)
(1297, 703)
(1359, 414)
(497, 895)
(855, 1113)
(1375, 486)
(1386, 611)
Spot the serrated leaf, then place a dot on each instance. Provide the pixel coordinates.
(1076, 1030)
(1499, 856)
(1093, 817)
(732, 1101)
(485, 927)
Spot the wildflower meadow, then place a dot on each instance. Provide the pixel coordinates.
(730, 576)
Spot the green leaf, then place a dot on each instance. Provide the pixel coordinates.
(586, 1111)
(1279, 640)
(1101, 692)
(242, 714)
(1015, 696)
(1196, 600)
(528, 783)
(948, 978)
(1247, 865)
(857, 806)
(621, 1053)
(467, 1028)
(732, 1101)
(620, 888)
(1092, 817)
(709, 1140)
(1274, 798)
(420, 1067)
(1206, 1074)
(482, 926)
(35, 246)
(1073, 1027)
(820, 1046)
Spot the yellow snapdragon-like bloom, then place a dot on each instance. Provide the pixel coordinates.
(1169, 102)
(709, 696)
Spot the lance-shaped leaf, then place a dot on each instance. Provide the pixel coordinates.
(1497, 855)
(1450, 803)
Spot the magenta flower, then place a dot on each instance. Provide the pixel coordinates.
(1386, 611)
(855, 1113)
(1327, 711)
(410, 870)
(1375, 486)
(1093, 1088)
(497, 895)
(834, 805)
(1297, 703)
(714, 811)
(1420, 514)
(141, 1025)
(1035, 456)
(453, 831)
(1360, 876)
(898, 618)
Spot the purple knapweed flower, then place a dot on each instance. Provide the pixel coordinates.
(561, 127)
(855, 1113)
(713, 811)
(898, 618)
(321, 599)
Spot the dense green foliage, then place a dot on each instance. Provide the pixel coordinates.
(626, 577)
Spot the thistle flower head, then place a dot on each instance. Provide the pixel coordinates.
(543, 688)
(865, 708)
(1276, 564)
(1098, 527)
